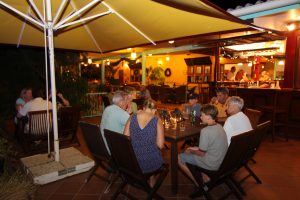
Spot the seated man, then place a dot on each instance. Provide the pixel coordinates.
(220, 101)
(237, 122)
(144, 93)
(115, 116)
(212, 145)
(36, 104)
(60, 99)
(194, 105)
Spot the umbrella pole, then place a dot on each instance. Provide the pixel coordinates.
(52, 78)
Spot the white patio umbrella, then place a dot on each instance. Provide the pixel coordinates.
(102, 26)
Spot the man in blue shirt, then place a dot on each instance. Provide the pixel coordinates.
(115, 116)
(194, 105)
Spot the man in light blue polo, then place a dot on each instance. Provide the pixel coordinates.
(115, 116)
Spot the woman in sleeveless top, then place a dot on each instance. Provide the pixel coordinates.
(147, 137)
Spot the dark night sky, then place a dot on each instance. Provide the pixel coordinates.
(225, 4)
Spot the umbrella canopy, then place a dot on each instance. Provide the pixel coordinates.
(114, 24)
(102, 26)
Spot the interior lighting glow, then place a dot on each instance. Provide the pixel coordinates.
(97, 65)
(291, 27)
(167, 58)
(281, 62)
(133, 55)
(171, 41)
(240, 64)
(90, 61)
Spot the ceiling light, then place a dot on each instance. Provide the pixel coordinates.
(90, 61)
(281, 62)
(129, 49)
(171, 41)
(133, 55)
(291, 27)
(167, 58)
(240, 64)
(97, 65)
(150, 54)
(126, 65)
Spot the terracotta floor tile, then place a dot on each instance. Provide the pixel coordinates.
(86, 197)
(61, 197)
(70, 188)
(277, 166)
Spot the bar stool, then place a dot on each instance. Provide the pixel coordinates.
(279, 111)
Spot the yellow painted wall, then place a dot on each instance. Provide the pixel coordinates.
(176, 64)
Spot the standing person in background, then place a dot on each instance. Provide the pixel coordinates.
(115, 116)
(241, 76)
(230, 74)
(147, 137)
(129, 97)
(220, 101)
(237, 122)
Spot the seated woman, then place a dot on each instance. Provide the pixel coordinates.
(147, 137)
(129, 97)
(212, 145)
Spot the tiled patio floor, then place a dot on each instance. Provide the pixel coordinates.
(277, 165)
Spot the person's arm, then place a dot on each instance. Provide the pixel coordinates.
(160, 138)
(127, 125)
(196, 150)
(64, 101)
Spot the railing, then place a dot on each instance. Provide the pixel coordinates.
(93, 104)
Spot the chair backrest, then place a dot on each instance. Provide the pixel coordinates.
(124, 157)
(254, 116)
(38, 123)
(256, 139)
(94, 140)
(68, 120)
(236, 152)
(105, 100)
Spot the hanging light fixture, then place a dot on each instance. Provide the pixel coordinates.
(133, 55)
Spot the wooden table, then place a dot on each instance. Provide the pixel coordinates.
(173, 135)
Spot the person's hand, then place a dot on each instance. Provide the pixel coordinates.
(191, 149)
(129, 108)
(60, 95)
(214, 100)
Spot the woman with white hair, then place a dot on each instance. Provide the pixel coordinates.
(237, 122)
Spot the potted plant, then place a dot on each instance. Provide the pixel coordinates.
(157, 76)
